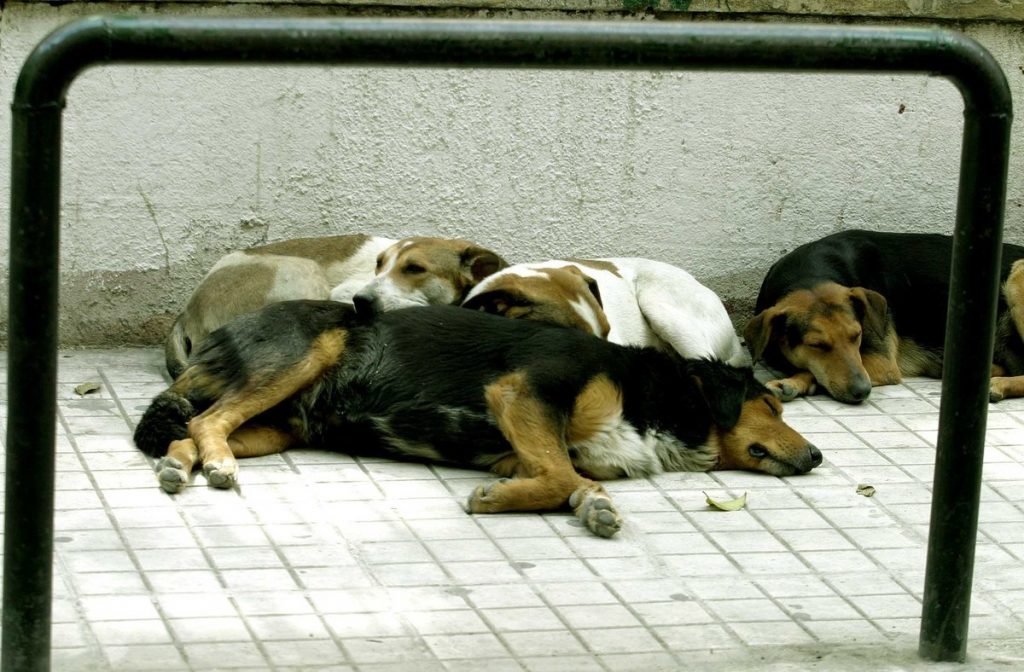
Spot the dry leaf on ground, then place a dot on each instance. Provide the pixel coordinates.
(727, 505)
(85, 388)
(865, 489)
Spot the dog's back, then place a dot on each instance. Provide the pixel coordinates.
(412, 382)
(629, 301)
(245, 281)
(418, 383)
(911, 270)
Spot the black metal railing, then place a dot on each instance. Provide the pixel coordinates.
(35, 227)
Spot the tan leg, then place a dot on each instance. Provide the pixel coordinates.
(1013, 290)
(1006, 388)
(210, 430)
(882, 364)
(798, 385)
(1003, 387)
(259, 441)
(173, 469)
(548, 479)
(883, 369)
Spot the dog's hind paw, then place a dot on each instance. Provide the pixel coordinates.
(221, 475)
(171, 474)
(596, 510)
(480, 500)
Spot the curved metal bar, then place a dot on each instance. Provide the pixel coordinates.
(68, 50)
(35, 216)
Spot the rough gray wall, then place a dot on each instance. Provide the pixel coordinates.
(167, 168)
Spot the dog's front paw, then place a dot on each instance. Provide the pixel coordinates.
(997, 390)
(783, 389)
(482, 499)
(221, 474)
(788, 389)
(171, 474)
(594, 507)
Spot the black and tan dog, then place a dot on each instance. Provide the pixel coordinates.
(537, 404)
(860, 308)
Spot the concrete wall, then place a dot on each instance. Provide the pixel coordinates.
(167, 168)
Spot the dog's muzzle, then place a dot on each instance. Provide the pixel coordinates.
(815, 455)
(857, 391)
(365, 303)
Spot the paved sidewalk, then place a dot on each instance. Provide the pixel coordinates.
(319, 561)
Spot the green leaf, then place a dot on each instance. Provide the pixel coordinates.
(86, 388)
(728, 505)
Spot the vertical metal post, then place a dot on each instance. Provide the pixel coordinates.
(32, 378)
(970, 330)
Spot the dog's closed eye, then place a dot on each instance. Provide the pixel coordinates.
(757, 451)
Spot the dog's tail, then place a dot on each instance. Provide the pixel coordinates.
(164, 421)
(177, 348)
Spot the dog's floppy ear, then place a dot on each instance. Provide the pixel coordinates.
(477, 263)
(761, 328)
(724, 388)
(872, 310)
(496, 301)
(594, 289)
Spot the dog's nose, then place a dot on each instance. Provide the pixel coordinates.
(363, 301)
(815, 455)
(859, 390)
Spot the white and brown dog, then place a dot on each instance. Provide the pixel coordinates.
(629, 301)
(332, 267)
(419, 271)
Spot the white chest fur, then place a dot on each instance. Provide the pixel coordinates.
(618, 450)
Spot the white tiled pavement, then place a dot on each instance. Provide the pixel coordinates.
(319, 561)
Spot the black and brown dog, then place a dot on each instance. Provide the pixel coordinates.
(537, 404)
(861, 308)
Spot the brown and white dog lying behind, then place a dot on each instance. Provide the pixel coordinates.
(629, 301)
(419, 271)
(332, 267)
(862, 308)
(546, 408)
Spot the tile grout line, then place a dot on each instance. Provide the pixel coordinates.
(590, 566)
(721, 550)
(716, 619)
(610, 587)
(884, 507)
(822, 512)
(108, 510)
(286, 564)
(335, 637)
(529, 582)
(757, 580)
(407, 625)
(199, 545)
(928, 486)
(65, 573)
